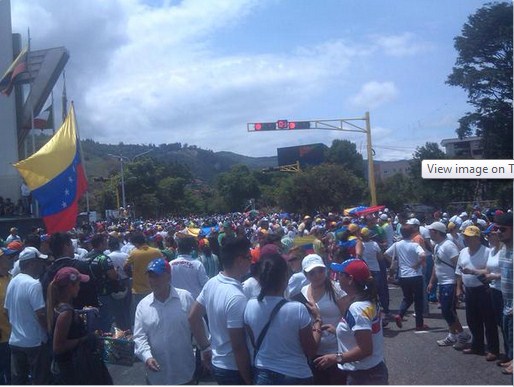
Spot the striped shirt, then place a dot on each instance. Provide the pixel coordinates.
(505, 260)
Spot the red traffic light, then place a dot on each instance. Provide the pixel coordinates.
(299, 125)
(264, 126)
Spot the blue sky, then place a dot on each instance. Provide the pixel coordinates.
(198, 71)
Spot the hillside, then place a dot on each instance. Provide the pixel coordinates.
(203, 164)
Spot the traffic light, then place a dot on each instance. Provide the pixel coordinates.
(260, 126)
(299, 125)
(280, 125)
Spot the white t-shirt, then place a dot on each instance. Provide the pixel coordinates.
(330, 314)
(408, 254)
(23, 297)
(161, 330)
(361, 315)
(188, 273)
(224, 300)
(281, 350)
(493, 266)
(444, 266)
(118, 260)
(370, 253)
(475, 261)
(251, 288)
(458, 239)
(296, 282)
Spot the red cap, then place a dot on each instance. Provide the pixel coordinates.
(67, 275)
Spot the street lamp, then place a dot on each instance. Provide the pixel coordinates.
(122, 174)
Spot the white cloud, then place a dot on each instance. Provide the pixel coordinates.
(374, 93)
(402, 45)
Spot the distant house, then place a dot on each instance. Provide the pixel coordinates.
(386, 169)
(466, 148)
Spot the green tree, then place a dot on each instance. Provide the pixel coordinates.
(484, 69)
(344, 153)
(326, 187)
(237, 186)
(395, 191)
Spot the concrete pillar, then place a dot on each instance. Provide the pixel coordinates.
(10, 180)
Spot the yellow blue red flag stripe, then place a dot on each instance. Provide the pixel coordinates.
(55, 176)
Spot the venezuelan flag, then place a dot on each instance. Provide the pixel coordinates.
(56, 177)
(18, 67)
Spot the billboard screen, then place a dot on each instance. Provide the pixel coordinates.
(307, 155)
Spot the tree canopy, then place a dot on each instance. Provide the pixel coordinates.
(484, 69)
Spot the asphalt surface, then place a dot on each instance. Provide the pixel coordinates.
(413, 358)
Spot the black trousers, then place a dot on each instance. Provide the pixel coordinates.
(480, 317)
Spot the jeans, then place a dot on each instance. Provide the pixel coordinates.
(267, 377)
(226, 377)
(447, 300)
(432, 296)
(507, 328)
(497, 302)
(329, 376)
(480, 315)
(382, 286)
(34, 361)
(5, 363)
(412, 289)
(377, 375)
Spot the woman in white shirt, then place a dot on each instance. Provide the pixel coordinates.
(283, 353)
(359, 332)
(330, 300)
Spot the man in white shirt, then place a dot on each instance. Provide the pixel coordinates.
(25, 306)
(188, 273)
(446, 255)
(224, 302)
(162, 334)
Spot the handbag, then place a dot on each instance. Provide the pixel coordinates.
(260, 339)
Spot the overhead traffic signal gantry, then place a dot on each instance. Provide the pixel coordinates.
(279, 125)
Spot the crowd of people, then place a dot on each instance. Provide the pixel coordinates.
(251, 298)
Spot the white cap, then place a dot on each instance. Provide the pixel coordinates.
(383, 217)
(31, 253)
(413, 221)
(312, 261)
(438, 226)
(463, 214)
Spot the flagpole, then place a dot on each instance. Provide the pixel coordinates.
(36, 206)
(64, 97)
(52, 114)
(77, 132)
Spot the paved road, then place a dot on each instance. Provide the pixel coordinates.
(412, 357)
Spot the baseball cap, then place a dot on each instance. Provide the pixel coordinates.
(158, 266)
(383, 217)
(463, 214)
(438, 226)
(67, 275)
(504, 220)
(365, 231)
(413, 221)
(15, 245)
(312, 261)
(31, 253)
(472, 231)
(13, 229)
(7, 251)
(355, 267)
(352, 227)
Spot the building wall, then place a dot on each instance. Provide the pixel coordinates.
(10, 180)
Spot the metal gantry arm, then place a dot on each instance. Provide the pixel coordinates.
(341, 124)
